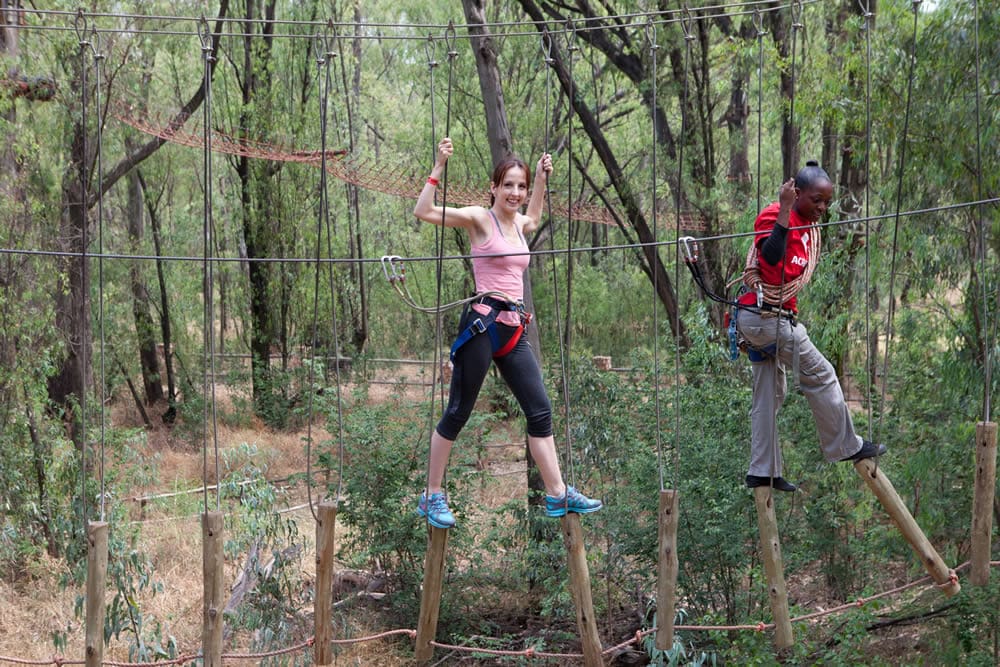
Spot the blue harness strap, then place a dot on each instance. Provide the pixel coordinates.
(488, 324)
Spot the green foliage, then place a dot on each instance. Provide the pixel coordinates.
(269, 547)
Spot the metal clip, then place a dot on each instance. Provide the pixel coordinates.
(690, 246)
(760, 296)
(392, 267)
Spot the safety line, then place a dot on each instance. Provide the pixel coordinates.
(616, 22)
(208, 274)
(650, 34)
(80, 25)
(426, 258)
(983, 276)
(891, 306)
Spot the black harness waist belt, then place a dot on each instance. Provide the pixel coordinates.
(487, 324)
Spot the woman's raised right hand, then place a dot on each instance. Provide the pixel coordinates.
(445, 149)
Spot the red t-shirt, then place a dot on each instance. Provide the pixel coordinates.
(796, 252)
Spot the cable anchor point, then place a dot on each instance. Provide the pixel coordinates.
(449, 40)
(690, 246)
(547, 47)
(429, 52)
(650, 31)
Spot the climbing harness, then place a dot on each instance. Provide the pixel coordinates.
(501, 341)
(763, 307)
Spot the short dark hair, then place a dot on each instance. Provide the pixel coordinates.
(810, 175)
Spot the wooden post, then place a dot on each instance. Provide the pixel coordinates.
(323, 608)
(667, 565)
(770, 547)
(430, 595)
(214, 578)
(893, 504)
(982, 502)
(579, 585)
(97, 574)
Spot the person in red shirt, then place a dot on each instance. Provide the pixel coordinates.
(784, 253)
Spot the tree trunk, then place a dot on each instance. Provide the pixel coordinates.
(144, 327)
(497, 129)
(165, 333)
(72, 305)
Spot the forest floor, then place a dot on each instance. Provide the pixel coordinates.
(36, 607)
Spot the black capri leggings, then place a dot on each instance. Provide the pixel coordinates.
(519, 370)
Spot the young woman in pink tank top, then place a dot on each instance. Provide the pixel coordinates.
(500, 256)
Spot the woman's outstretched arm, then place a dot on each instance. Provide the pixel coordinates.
(428, 211)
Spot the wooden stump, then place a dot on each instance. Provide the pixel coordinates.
(667, 565)
(579, 584)
(602, 363)
(214, 582)
(97, 575)
(770, 547)
(982, 502)
(323, 608)
(430, 595)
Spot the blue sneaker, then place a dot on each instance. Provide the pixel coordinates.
(571, 501)
(435, 509)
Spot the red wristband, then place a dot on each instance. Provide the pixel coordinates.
(432, 181)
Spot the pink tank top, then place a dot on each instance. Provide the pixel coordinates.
(495, 270)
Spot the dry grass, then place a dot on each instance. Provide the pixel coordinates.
(37, 608)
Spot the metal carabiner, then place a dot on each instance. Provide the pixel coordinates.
(690, 246)
(392, 267)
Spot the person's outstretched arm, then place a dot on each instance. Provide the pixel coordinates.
(534, 210)
(427, 210)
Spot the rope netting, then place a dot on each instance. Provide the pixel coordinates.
(530, 652)
(378, 175)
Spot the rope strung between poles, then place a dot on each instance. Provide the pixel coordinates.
(650, 34)
(208, 274)
(895, 224)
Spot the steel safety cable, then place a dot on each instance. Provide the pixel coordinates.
(796, 11)
(562, 334)
(432, 65)
(322, 83)
(869, 360)
(895, 224)
(208, 275)
(984, 277)
(437, 370)
(758, 23)
(378, 30)
(98, 59)
(650, 34)
(81, 27)
(329, 249)
(689, 39)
